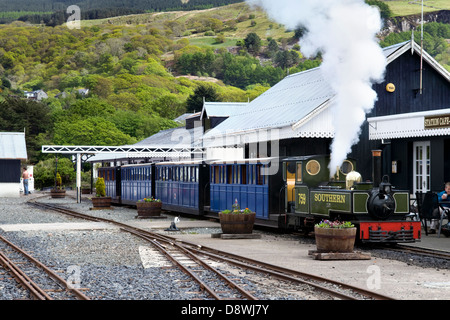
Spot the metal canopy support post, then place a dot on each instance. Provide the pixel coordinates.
(78, 177)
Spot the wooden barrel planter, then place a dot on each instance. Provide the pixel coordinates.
(241, 223)
(148, 209)
(101, 202)
(335, 239)
(58, 193)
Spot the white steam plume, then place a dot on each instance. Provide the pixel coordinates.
(344, 32)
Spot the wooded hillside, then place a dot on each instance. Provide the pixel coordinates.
(142, 71)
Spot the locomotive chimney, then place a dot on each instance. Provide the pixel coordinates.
(376, 167)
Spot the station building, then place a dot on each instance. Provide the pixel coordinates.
(410, 124)
(12, 151)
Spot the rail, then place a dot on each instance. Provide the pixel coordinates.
(323, 284)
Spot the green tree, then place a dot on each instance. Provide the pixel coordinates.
(91, 131)
(204, 92)
(385, 11)
(44, 172)
(18, 114)
(253, 43)
(287, 59)
(272, 48)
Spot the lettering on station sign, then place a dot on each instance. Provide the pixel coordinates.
(438, 121)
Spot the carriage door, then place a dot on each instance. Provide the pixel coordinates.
(422, 166)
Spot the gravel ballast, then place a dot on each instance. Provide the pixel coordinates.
(108, 264)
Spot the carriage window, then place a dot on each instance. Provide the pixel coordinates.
(252, 174)
(194, 174)
(217, 174)
(259, 175)
(244, 174)
(229, 171)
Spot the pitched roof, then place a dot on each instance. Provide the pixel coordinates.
(13, 146)
(222, 109)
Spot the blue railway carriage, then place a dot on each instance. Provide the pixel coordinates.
(112, 178)
(136, 182)
(255, 183)
(182, 186)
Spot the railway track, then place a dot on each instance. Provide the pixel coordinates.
(196, 260)
(39, 281)
(421, 251)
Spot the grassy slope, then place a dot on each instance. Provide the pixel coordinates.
(264, 27)
(408, 7)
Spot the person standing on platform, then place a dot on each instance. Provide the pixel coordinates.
(25, 177)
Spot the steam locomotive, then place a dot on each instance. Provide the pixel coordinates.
(376, 208)
(289, 194)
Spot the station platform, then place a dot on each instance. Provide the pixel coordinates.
(432, 241)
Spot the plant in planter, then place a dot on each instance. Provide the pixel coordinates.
(101, 200)
(58, 191)
(86, 182)
(149, 207)
(335, 236)
(237, 220)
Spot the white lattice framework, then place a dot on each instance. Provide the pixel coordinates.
(130, 151)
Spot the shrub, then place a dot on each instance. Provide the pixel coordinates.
(100, 188)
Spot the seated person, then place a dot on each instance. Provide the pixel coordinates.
(443, 197)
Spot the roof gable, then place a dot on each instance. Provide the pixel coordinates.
(222, 109)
